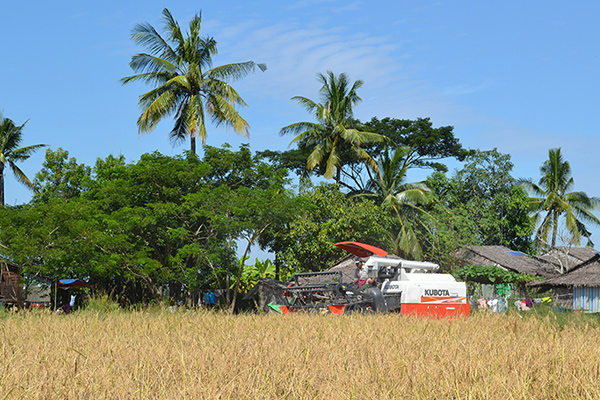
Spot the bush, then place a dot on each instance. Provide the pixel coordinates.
(101, 303)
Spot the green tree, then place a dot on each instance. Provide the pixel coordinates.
(427, 144)
(11, 153)
(390, 189)
(252, 273)
(479, 205)
(335, 131)
(187, 84)
(327, 216)
(554, 200)
(61, 176)
(159, 225)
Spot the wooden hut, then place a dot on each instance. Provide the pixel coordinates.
(11, 285)
(578, 289)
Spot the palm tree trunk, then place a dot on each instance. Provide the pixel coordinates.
(193, 144)
(555, 229)
(1, 183)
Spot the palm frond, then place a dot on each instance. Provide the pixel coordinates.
(162, 106)
(224, 113)
(144, 63)
(319, 152)
(24, 153)
(216, 87)
(155, 78)
(146, 36)
(300, 127)
(234, 71)
(172, 28)
(333, 162)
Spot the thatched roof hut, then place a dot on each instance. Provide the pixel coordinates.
(566, 258)
(578, 288)
(586, 274)
(503, 257)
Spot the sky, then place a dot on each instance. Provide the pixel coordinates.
(518, 76)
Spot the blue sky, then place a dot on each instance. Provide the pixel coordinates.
(517, 76)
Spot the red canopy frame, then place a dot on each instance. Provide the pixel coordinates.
(361, 249)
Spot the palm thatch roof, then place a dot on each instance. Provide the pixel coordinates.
(503, 257)
(346, 266)
(568, 257)
(584, 274)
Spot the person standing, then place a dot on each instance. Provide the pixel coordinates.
(361, 273)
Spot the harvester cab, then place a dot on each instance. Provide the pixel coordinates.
(389, 269)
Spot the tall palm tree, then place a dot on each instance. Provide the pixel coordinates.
(554, 199)
(332, 133)
(11, 137)
(187, 85)
(390, 189)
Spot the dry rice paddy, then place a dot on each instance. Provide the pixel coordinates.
(198, 355)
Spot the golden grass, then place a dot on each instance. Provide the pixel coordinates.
(198, 355)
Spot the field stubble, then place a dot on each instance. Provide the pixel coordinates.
(199, 355)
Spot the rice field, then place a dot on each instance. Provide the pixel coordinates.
(204, 355)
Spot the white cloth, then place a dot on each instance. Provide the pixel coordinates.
(363, 274)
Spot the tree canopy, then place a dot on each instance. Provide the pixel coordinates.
(479, 204)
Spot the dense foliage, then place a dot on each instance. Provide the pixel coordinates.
(142, 229)
(478, 205)
(173, 227)
(177, 226)
(491, 274)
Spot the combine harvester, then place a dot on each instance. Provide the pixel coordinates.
(407, 287)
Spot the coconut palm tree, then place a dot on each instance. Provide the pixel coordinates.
(334, 131)
(11, 137)
(187, 85)
(390, 189)
(553, 200)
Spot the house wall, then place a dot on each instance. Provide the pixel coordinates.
(563, 296)
(586, 298)
(10, 288)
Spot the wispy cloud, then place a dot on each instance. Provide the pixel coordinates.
(465, 89)
(295, 54)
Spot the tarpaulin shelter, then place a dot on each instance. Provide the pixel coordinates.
(69, 283)
(72, 283)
